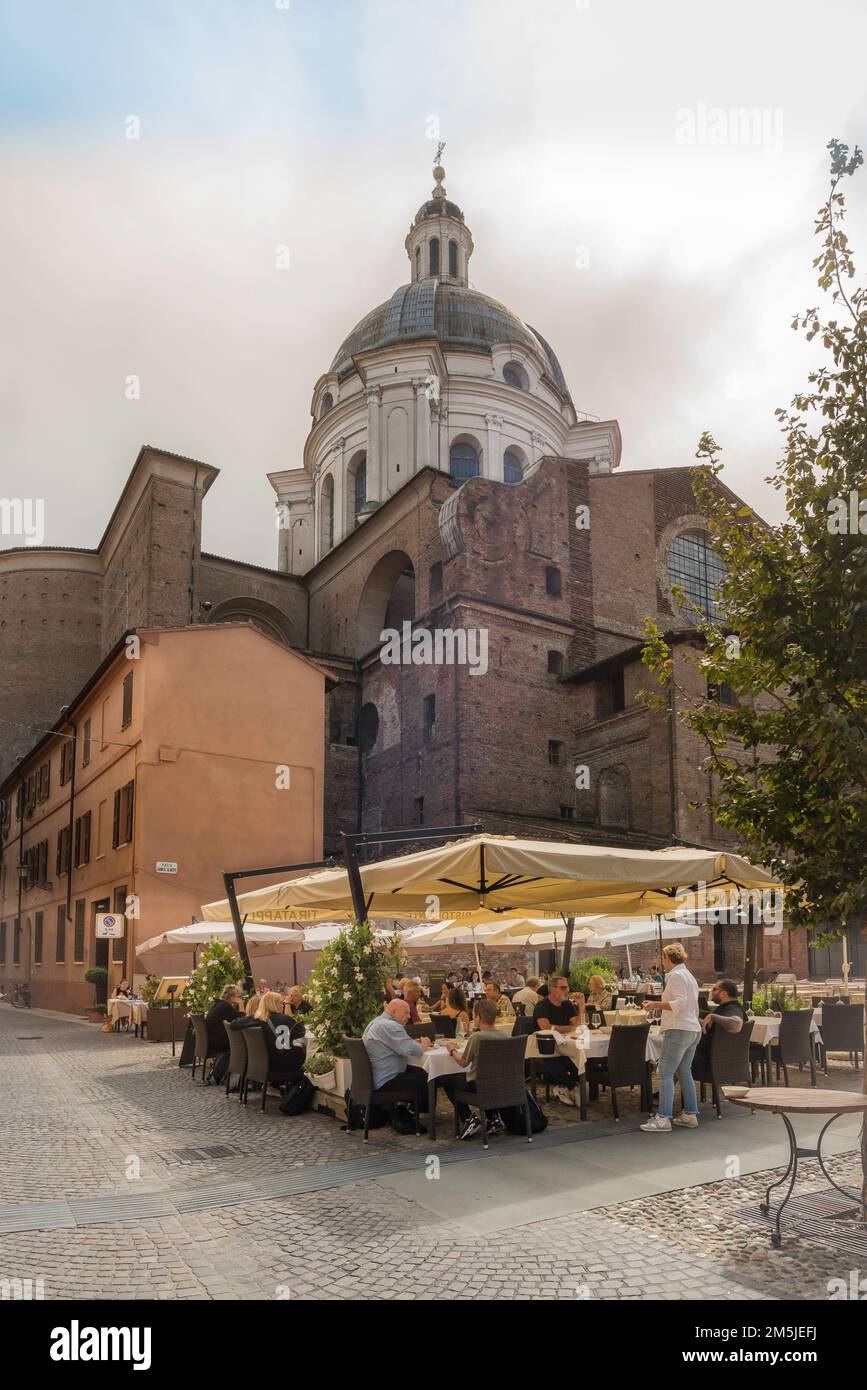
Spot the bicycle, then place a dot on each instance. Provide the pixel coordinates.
(20, 997)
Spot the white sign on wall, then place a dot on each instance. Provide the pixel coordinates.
(166, 866)
(109, 924)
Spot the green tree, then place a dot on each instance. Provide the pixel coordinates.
(790, 757)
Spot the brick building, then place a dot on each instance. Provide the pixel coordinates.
(448, 483)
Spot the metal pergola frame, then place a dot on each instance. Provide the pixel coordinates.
(351, 843)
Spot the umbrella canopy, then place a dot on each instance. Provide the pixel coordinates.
(637, 933)
(502, 874)
(537, 933)
(265, 941)
(314, 938)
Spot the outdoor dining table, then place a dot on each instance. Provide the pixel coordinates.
(792, 1100)
(135, 1009)
(439, 1064)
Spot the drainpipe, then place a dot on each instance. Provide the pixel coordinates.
(193, 543)
(20, 876)
(359, 793)
(671, 766)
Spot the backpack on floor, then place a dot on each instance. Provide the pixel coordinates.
(513, 1117)
(355, 1115)
(298, 1097)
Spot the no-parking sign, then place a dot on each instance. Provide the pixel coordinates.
(109, 924)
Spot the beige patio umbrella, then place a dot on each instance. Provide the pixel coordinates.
(266, 941)
(503, 874)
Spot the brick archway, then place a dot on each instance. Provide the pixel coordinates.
(388, 597)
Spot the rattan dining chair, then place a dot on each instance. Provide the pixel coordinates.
(499, 1083)
(237, 1056)
(728, 1062)
(794, 1044)
(842, 1031)
(625, 1065)
(363, 1092)
(202, 1052)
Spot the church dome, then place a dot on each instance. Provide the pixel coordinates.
(458, 317)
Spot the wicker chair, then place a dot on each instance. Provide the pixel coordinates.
(237, 1056)
(202, 1051)
(728, 1062)
(262, 1066)
(499, 1083)
(363, 1092)
(795, 1043)
(625, 1065)
(422, 1030)
(842, 1031)
(445, 1027)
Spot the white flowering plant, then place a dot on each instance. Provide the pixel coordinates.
(346, 987)
(218, 966)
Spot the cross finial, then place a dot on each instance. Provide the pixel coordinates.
(439, 154)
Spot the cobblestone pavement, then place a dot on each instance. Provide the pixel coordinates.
(87, 1114)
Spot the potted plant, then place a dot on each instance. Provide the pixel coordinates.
(346, 990)
(218, 966)
(97, 976)
(322, 1070)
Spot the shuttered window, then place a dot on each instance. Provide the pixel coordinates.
(60, 942)
(127, 700)
(37, 939)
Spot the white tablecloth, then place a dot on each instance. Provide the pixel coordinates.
(596, 1043)
(134, 1009)
(766, 1029)
(438, 1061)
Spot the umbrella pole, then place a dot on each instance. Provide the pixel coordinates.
(229, 881)
(567, 945)
(476, 949)
(628, 961)
(750, 958)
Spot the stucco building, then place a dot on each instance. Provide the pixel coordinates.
(188, 751)
(447, 482)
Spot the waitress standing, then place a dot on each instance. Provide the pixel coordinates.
(681, 1031)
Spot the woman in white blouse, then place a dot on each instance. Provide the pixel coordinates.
(681, 1031)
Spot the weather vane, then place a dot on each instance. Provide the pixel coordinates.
(439, 154)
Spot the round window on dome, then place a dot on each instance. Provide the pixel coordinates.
(514, 375)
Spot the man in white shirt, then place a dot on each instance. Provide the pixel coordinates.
(390, 1049)
(681, 1032)
(528, 995)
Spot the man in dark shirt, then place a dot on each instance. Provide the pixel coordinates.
(221, 1012)
(558, 1011)
(729, 1014)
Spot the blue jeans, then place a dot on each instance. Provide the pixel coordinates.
(678, 1050)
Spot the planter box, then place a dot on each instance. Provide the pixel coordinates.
(325, 1081)
(159, 1025)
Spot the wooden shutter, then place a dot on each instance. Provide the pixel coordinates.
(127, 700)
(77, 841)
(129, 802)
(60, 943)
(85, 832)
(115, 830)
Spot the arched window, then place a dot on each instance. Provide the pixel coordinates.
(514, 375)
(696, 569)
(360, 486)
(453, 259)
(326, 515)
(463, 461)
(434, 256)
(369, 727)
(327, 403)
(512, 469)
(418, 263)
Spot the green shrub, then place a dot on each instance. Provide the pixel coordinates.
(580, 973)
(774, 999)
(320, 1064)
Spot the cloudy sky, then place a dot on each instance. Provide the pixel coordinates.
(618, 202)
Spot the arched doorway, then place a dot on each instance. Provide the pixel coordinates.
(387, 599)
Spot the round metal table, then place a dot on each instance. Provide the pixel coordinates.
(792, 1100)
